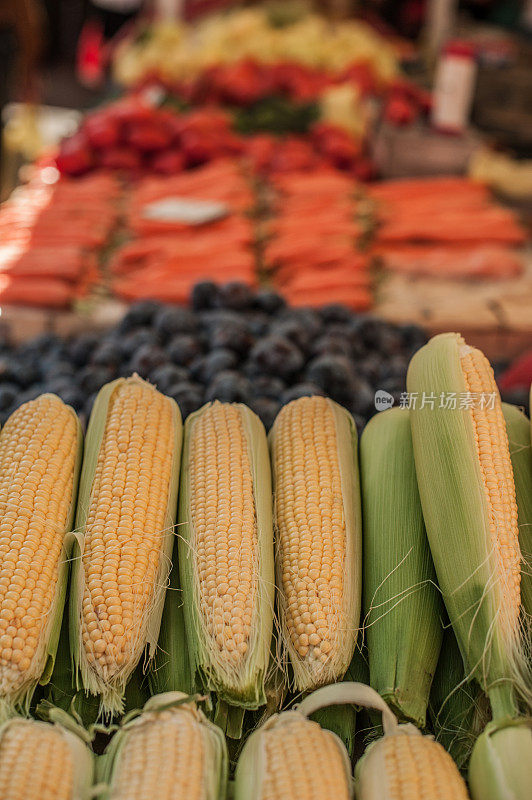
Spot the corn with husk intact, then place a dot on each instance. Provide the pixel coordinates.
(403, 608)
(518, 429)
(170, 752)
(43, 761)
(467, 493)
(226, 551)
(40, 456)
(292, 757)
(403, 764)
(501, 762)
(317, 521)
(125, 532)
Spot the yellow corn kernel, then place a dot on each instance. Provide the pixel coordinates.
(170, 751)
(302, 760)
(226, 550)
(39, 464)
(406, 765)
(498, 482)
(318, 537)
(36, 762)
(164, 752)
(223, 514)
(290, 756)
(127, 530)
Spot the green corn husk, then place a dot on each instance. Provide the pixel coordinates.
(403, 607)
(342, 719)
(459, 709)
(242, 687)
(501, 762)
(42, 667)
(290, 729)
(18, 761)
(308, 671)
(171, 669)
(163, 764)
(518, 428)
(61, 691)
(402, 760)
(456, 513)
(111, 690)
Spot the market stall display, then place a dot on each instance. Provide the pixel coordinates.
(127, 504)
(233, 344)
(51, 235)
(250, 492)
(176, 52)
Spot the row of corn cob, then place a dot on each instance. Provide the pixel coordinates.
(128, 487)
(121, 546)
(170, 749)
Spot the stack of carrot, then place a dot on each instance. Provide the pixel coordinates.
(445, 227)
(168, 255)
(312, 247)
(50, 237)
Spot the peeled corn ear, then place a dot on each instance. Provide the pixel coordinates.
(403, 608)
(467, 493)
(40, 456)
(404, 764)
(292, 757)
(518, 429)
(125, 531)
(318, 537)
(40, 761)
(226, 551)
(171, 750)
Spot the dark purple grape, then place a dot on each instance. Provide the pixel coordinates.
(183, 348)
(235, 295)
(229, 387)
(188, 396)
(267, 409)
(204, 295)
(277, 356)
(301, 390)
(146, 359)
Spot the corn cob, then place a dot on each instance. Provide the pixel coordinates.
(468, 497)
(518, 429)
(403, 764)
(467, 493)
(292, 757)
(40, 456)
(226, 551)
(318, 536)
(402, 604)
(39, 761)
(501, 761)
(171, 751)
(126, 514)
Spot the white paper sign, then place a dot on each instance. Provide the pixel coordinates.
(189, 212)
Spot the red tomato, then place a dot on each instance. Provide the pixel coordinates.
(75, 155)
(123, 158)
(168, 162)
(101, 129)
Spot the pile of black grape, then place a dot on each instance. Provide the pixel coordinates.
(231, 344)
